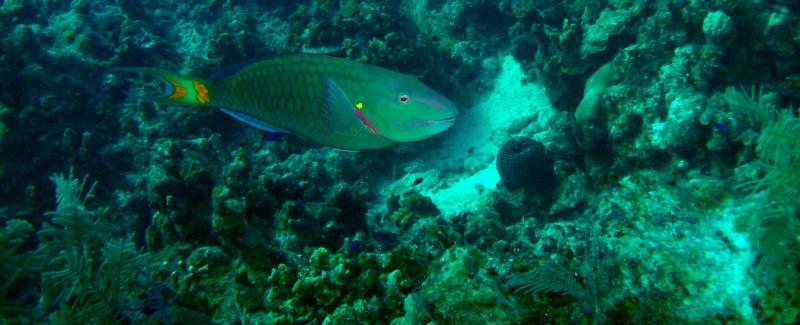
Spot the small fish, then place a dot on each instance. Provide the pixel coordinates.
(335, 102)
(275, 136)
(385, 240)
(354, 245)
(721, 127)
(417, 181)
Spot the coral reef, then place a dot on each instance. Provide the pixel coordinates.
(613, 162)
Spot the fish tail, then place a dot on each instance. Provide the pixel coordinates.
(178, 89)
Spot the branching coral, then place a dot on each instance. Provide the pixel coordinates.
(93, 277)
(775, 225)
(17, 269)
(778, 144)
(750, 106)
(779, 147)
(548, 278)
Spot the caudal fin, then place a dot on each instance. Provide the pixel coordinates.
(179, 89)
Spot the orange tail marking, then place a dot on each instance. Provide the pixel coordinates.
(202, 92)
(179, 90)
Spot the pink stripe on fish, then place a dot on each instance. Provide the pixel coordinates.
(366, 121)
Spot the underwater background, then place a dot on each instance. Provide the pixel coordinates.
(619, 162)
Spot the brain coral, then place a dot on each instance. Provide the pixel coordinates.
(523, 162)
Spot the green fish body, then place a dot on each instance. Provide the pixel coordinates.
(336, 102)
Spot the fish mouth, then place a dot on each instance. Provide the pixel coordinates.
(428, 122)
(449, 121)
(440, 125)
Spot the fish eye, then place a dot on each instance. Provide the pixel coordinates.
(402, 99)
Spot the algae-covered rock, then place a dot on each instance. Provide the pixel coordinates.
(208, 258)
(570, 60)
(717, 25)
(314, 287)
(415, 312)
(410, 208)
(589, 118)
(611, 22)
(456, 294)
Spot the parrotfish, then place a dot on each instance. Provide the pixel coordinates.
(336, 102)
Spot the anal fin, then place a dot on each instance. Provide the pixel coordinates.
(252, 121)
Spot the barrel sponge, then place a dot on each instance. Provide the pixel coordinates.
(523, 162)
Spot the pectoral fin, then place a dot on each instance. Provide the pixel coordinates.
(339, 113)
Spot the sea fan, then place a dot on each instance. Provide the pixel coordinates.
(19, 268)
(778, 144)
(121, 260)
(72, 224)
(779, 147)
(776, 228)
(547, 278)
(93, 275)
(749, 106)
(69, 191)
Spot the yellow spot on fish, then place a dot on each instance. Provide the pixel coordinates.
(360, 105)
(202, 91)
